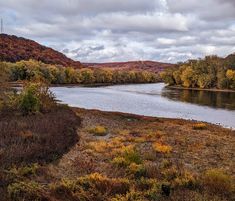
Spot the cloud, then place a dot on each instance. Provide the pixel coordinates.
(120, 30)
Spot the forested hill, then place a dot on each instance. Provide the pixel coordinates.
(13, 49)
(151, 66)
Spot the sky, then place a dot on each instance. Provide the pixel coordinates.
(124, 30)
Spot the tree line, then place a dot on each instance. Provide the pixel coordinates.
(210, 72)
(53, 74)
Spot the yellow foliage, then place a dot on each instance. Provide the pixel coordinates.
(217, 181)
(120, 161)
(98, 130)
(199, 126)
(123, 132)
(100, 146)
(230, 74)
(165, 149)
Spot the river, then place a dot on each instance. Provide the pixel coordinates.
(154, 100)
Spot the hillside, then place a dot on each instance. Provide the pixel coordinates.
(13, 49)
(151, 66)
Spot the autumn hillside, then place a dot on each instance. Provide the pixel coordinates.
(13, 49)
(151, 66)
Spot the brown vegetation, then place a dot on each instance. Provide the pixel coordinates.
(13, 49)
(36, 138)
(151, 66)
(140, 158)
(119, 157)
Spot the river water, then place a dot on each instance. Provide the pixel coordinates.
(154, 100)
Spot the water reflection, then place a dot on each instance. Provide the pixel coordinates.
(225, 100)
(148, 99)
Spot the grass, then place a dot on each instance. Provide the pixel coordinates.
(199, 126)
(161, 148)
(217, 181)
(37, 138)
(98, 131)
(141, 159)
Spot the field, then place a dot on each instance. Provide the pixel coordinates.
(126, 157)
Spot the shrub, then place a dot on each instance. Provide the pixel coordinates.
(132, 156)
(170, 174)
(152, 170)
(129, 155)
(120, 161)
(216, 181)
(199, 126)
(130, 196)
(93, 182)
(98, 130)
(35, 98)
(165, 149)
(25, 191)
(137, 169)
(25, 170)
(186, 180)
(37, 138)
(29, 100)
(100, 146)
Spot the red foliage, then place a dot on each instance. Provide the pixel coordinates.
(13, 49)
(151, 66)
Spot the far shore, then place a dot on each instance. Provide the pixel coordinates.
(199, 89)
(20, 84)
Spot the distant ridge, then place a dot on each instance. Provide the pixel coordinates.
(152, 66)
(13, 49)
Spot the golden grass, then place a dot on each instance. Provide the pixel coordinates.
(139, 160)
(161, 148)
(199, 126)
(98, 130)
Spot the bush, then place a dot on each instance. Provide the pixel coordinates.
(130, 196)
(120, 161)
(35, 98)
(137, 170)
(199, 126)
(216, 181)
(98, 130)
(25, 171)
(29, 100)
(186, 180)
(92, 183)
(132, 156)
(25, 191)
(165, 149)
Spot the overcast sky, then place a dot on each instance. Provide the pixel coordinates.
(121, 30)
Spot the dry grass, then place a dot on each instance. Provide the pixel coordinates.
(199, 126)
(161, 148)
(36, 138)
(141, 158)
(98, 130)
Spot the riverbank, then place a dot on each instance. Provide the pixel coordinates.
(199, 89)
(20, 84)
(123, 157)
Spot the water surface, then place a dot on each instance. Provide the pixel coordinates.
(153, 100)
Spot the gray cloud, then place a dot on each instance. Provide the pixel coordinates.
(118, 30)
